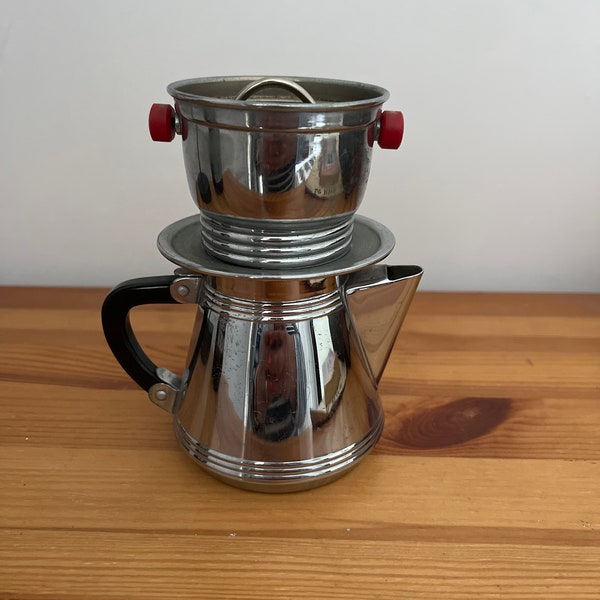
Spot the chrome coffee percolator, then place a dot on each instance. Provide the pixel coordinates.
(295, 319)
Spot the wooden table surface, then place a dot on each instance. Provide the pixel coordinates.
(485, 484)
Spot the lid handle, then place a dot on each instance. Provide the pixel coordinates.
(277, 82)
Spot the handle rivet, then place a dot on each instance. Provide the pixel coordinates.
(160, 395)
(183, 291)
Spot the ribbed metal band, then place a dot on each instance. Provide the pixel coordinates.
(253, 310)
(276, 244)
(275, 476)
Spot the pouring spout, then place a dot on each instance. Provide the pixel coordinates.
(378, 299)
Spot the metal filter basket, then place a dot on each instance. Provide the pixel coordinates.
(277, 166)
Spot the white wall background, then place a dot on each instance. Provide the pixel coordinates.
(496, 187)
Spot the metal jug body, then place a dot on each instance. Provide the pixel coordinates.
(276, 395)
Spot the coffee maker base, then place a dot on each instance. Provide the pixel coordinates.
(278, 477)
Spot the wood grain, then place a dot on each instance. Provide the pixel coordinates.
(485, 483)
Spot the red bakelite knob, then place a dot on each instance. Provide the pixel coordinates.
(391, 129)
(161, 122)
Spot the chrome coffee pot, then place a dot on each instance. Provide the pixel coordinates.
(295, 319)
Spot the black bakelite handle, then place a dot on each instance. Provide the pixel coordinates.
(117, 326)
